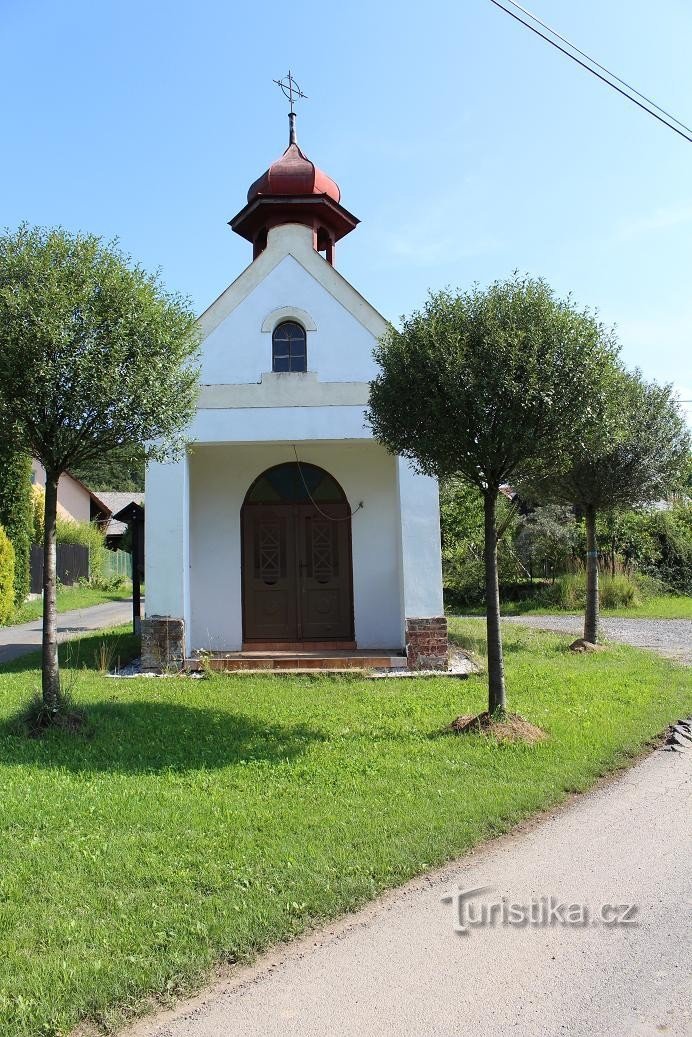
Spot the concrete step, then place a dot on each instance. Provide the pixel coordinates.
(307, 662)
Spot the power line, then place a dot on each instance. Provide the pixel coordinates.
(593, 61)
(593, 72)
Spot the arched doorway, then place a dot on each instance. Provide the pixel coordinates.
(297, 569)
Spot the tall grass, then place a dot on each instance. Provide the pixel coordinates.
(616, 591)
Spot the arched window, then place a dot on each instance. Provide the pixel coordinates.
(289, 349)
(294, 483)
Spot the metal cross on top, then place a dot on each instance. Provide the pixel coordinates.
(290, 90)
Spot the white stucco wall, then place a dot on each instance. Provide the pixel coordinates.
(260, 424)
(421, 550)
(339, 349)
(239, 351)
(219, 479)
(166, 518)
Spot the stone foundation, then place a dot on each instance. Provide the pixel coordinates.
(427, 647)
(163, 643)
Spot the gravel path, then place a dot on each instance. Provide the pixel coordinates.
(669, 637)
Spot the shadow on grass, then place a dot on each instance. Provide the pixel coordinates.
(144, 737)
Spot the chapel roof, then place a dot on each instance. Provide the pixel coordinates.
(294, 174)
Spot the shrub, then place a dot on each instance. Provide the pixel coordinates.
(90, 535)
(16, 515)
(547, 539)
(38, 504)
(655, 542)
(6, 577)
(108, 583)
(461, 518)
(672, 532)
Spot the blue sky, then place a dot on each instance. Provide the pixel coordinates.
(466, 145)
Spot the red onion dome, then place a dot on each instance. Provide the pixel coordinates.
(294, 174)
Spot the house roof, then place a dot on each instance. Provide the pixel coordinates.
(97, 498)
(115, 501)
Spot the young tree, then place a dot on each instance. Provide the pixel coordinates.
(488, 385)
(95, 356)
(640, 461)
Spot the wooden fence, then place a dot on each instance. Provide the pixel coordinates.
(72, 565)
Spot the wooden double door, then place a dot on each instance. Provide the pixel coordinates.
(297, 572)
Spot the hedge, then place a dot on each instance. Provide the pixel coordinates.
(16, 515)
(6, 577)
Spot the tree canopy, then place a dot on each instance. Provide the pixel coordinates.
(94, 354)
(119, 470)
(642, 459)
(95, 357)
(491, 385)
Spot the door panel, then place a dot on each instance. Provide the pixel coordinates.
(297, 582)
(325, 574)
(269, 574)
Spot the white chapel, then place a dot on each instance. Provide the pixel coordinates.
(287, 536)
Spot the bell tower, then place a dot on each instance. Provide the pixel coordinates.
(294, 190)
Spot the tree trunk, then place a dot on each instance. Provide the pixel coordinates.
(51, 674)
(592, 602)
(496, 670)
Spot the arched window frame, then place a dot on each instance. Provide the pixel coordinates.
(289, 347)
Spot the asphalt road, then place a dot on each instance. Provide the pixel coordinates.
(399, 968)
(16, 641)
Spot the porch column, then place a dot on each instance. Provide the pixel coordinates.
(165, 631)
(425, 626)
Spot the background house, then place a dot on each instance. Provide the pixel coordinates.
(78, 504)
(76, 501)
(115, 501)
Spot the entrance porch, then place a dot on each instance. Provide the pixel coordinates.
(281, 554)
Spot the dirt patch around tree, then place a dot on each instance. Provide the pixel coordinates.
(505, 727)
(580, 645)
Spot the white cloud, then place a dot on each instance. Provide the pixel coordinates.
(441, 232)
(663, 218)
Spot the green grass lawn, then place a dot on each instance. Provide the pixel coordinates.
(71, 598)
(201, 820)
(666, 606)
